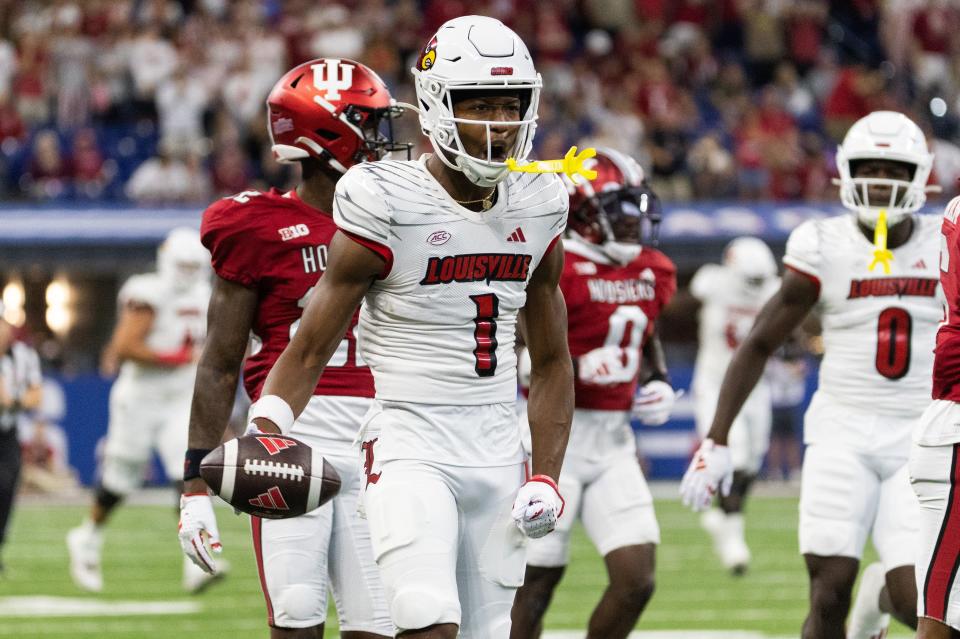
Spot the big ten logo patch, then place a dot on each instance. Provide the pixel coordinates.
(288, 233)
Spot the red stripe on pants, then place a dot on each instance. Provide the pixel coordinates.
(946, 554)
(255, 524)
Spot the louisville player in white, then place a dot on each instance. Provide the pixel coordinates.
(731, 294)
(156, 342)
(614, 288)
(448, 253)
(269, 250)
(935, 459)
(878, 332)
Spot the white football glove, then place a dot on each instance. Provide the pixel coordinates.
(252, 429)
(709, 470)
(538, 506)
(198, 522)
(604, 365)
(654, 402)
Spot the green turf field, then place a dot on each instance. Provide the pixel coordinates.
(142, 596)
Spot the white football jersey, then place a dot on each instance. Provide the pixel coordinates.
(878, 329)
(727, 314)
(439, 327)
(179, 317)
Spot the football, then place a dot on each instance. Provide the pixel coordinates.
(271, 476)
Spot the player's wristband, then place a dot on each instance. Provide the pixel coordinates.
(191, 462)
(276, 409)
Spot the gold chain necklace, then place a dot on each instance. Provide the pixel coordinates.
(486, 203)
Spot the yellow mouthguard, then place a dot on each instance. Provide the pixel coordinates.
(881, 254)
(571, 165)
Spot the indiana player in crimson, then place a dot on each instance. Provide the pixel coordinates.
(878, 332)
(935, 459)
(268, 251)
(614, 288)
(447, 498)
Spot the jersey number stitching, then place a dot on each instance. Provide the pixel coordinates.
(626, 318)
(485, 333)
(894, 327)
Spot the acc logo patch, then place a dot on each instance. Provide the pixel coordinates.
(429, 56)
(438, 237)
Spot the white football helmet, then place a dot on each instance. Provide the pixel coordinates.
(884, 135)
(182, 260)
(474, 53)
(751, 262)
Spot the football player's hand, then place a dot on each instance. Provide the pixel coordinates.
(538, 506)
(198, 528)
(710, 470)
(654, 402)
(604, 365)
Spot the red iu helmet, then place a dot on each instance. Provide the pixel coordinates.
(617, 210)
(332, 110)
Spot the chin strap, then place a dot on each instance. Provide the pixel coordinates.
(881, 254)
(571, 165)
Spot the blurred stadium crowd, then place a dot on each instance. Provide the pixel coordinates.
(162, 101)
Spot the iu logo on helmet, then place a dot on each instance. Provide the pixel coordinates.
(275, 444)
(332, 77)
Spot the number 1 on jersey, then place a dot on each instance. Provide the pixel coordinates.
(485, 334)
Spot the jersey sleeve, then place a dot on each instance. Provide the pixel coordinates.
(228, 232)
(705, 281)
(363, 214)
(141, 290)
(803, 250)
(666, 279)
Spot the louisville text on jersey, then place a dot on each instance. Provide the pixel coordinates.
(889, 286)
(477, 267)
(620, 291)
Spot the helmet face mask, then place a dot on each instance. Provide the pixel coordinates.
(883, 164)
(336, 111)
(481, 56)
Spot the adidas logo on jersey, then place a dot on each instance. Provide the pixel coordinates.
(920, 264)
(517, 236)
(272, 499)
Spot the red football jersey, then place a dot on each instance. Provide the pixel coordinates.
(612, 304)
(276, 244)
(946, 362)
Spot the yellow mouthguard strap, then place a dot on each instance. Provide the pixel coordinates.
(571, 165)
(881, 254)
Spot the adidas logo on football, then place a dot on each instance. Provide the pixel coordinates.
(272, 499)
(275, 444)
(517, 236)
(920, 264)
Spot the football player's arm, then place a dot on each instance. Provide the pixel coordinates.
(780, 316)
(352, 269)
(654, 361)
(230, 317)
(550, 402)
(129, 341)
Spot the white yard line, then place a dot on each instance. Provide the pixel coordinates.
(40, 606)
